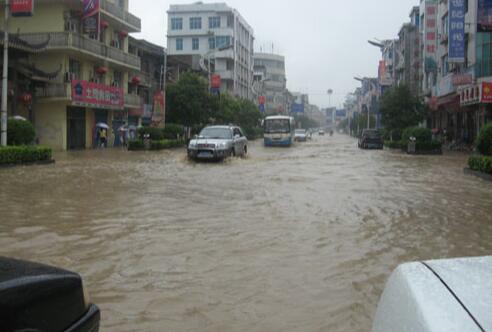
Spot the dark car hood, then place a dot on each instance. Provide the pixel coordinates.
(38, 297)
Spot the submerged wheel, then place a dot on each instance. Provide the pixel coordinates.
(245, 151)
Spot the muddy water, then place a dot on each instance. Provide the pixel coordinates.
(297, 239)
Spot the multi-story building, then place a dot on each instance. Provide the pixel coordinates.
(407, 68)
(86, 76)
(270, 82)
(217, 39)
(149, 81)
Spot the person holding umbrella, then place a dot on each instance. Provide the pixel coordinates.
(103, 134)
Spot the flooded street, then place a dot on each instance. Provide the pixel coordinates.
(299, 239)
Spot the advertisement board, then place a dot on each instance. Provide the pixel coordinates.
(430, 36)
(486, 92)
(22, 8)
(159, 107)
(297, 108)
(91, 94)
(215, 81)
(484, 16)
(456, 42)
(91, 16)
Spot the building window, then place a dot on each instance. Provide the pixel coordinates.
(222, 41)
(117, 78)
(211, 43)
(195, 23)
(179, 44)
(484, 54)
(176, 24)
(74, 70)
(195, 43)
(214, 22)
(230, 21)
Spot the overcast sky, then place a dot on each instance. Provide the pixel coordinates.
(324, 41)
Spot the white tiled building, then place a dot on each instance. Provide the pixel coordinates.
(217, 32)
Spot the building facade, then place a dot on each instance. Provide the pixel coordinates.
(217, 39)
(90, 72)
(270, 81)
(408, 67)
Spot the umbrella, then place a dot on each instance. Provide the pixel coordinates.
(102, 125)
(18, 117)
(123, 128)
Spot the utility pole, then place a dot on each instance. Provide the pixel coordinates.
(368, 118)
(5, 75)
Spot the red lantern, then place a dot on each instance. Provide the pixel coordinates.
(104, 25)
(136, 80)
(123, 34)
(26, 98)
(102, 70)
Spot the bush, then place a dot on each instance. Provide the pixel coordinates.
(423, 135)
(24, 154)
(154, 133)
(20, 132)
(253, 133)
(165, 144)
(393, 144)
(481, 164)
(484, 141)
(173, 131)
(136, 145)
(433, 145)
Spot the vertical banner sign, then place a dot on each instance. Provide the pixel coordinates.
(456, 42)
(486, 93)
(91, 16)
(484, 16)
(21, 8)
(261, 102)
(159, 107)
(430, 37)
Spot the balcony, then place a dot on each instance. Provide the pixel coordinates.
(112, 10)
(54, 91)
(77, 42)
(133, 101)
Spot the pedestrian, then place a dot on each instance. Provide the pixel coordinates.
(103, 137)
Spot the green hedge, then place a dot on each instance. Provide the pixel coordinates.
(173, 131)
(24, 154)
(481, 164)
(393, 144)
(484, 141)
(423, 135)
(138, 145)
(156, 134)
(434, 145)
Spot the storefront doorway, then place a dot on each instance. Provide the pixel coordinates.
(75, 128)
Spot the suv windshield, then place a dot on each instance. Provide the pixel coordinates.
(216, 133)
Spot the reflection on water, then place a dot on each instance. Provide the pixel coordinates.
(298, 239)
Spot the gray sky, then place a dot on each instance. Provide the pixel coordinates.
(324, 41)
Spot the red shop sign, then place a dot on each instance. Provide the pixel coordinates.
(97, 95)
(486, 92)
(216, 81)
(22, 7)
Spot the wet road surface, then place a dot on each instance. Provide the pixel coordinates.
(298, 239)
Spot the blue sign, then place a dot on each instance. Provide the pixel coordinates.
(297, 108)
(262, 108)
(341, 113)
(484, 17)
(456, 41)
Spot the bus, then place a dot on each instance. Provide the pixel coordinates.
(279, 130)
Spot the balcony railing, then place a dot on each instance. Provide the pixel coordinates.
(70, 40)
(61, 91)
(132, 100)
(121, 14)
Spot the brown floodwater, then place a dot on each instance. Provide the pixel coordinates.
(299, 239)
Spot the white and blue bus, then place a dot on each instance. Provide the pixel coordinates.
(279, 130)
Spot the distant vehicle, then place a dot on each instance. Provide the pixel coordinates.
(321, 132)
(435, 296)
(371, 139)
(278, 130)
(36, 297)
(300, 135)
(217, 143)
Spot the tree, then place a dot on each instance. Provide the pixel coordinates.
(188, 101)
(401, 109)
